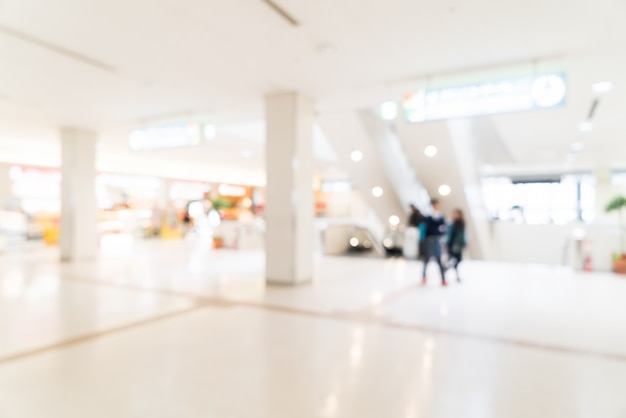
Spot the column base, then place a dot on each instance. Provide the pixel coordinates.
(285, 283)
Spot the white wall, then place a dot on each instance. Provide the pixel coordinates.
(528, 243)
(545, 244)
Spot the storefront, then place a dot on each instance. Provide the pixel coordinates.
(134, 205)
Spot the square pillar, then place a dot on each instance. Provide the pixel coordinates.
(289, 211)
(78, 238)
(5, 185)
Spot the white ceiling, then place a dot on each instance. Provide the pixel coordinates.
(112, 65)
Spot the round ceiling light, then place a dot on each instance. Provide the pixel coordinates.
(356, 156)
(602, 87)
(444, 190)
(431, 151)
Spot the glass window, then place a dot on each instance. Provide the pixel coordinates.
(541, 201)
(618, 178)
(330, 186)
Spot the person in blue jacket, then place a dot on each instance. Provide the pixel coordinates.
(432, 230)
(456, 240)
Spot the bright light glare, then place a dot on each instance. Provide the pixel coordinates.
(585, 127)
(165, 136)
(356, 155)
(602, 87)
(354, 242)
(376, 298)
(491, 97)
(210, 132)
(389, 110)
(377, 191)
(430, 151)
(394, 220)
(444, 190)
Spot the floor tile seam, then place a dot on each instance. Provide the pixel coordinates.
(365, 319)
(161, 291)
(363, 316)
(390, 297)
(80, 339)
(344, 317)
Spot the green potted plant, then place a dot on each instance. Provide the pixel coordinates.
(618, 204)
(219, 204)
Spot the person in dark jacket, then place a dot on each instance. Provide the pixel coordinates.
(432, 230)
(456, 241)
(415, 216)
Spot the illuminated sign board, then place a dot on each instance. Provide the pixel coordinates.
(231, 191)
(165, 137)
(492, 97)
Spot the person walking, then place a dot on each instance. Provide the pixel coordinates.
(415, 216)
(456, 241)
(412, 243)
(432, 230)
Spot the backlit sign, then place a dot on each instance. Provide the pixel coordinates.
(492, 97)
(165, 137)
(231, 191)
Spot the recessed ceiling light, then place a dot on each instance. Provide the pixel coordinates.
(444, 190)
(377, 191)
(585, 127)
(602, 87)
(394, 220)
(430, 151)
(356, 155)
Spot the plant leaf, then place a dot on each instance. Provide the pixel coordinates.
(617, 203)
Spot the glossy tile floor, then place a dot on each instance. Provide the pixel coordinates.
(175, 329)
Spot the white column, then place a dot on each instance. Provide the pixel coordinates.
(78, 235)
(605, 191)
(289, 211)
(5, 185)
(166, 205)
